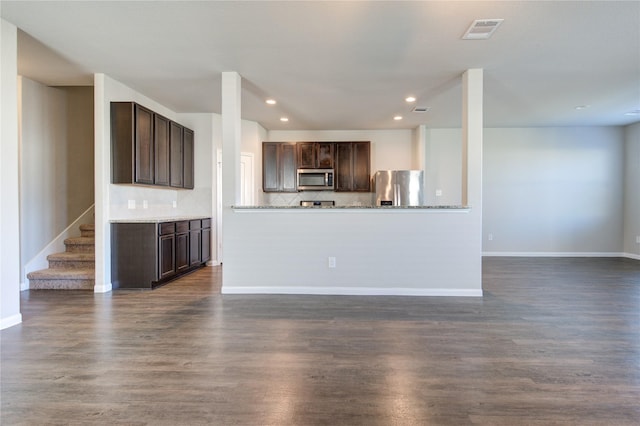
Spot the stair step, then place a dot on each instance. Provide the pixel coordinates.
(61, 279)
(87, 230)
(80, 244)
(72, 260)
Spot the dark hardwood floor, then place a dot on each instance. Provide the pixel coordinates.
(552, 342)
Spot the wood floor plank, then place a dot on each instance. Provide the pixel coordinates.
(554, 341)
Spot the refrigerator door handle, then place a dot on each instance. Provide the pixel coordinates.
(396, 194)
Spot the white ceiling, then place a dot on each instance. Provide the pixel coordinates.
(348, 65)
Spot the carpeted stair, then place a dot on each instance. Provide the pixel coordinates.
(72, 270)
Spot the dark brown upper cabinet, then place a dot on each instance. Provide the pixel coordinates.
(315, 155)
(187, 160)
(161, 150)
(279, 167)
(176, 155)
(353, 161)
(149, 149)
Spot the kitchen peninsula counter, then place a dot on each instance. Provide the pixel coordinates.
(351, 207)
(353, 250)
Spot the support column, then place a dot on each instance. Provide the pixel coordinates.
(231, 138)
(472, 128)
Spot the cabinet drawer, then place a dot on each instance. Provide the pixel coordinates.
(182, 226)
(195, 224)
(167, 228)
(206, 223)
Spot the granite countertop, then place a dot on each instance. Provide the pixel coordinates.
(352, 207)
(157, 219)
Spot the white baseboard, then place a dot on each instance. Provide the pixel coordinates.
(550, 254)
(10, 321)
(103, 288)
(631, 256)
(354, 291)
(24, 286)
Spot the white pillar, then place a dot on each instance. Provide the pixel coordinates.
(9, 179)
(472, 128)
(231, 138)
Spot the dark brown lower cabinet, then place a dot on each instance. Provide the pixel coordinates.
(195, 242)
(182, 245)
(147, 255)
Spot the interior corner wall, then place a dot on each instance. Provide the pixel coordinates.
(56, 171)
(553, 191)
(252, 136)
(9, 178)
(632, 191)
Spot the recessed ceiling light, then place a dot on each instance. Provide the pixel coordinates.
(284, 119)
(397, 117)
(271, 101)
(579, 107)
(634, 112)
(410, 99)
(482, 29)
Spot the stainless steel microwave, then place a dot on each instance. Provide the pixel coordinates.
(315, 180)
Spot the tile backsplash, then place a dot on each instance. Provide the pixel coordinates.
(340, 198)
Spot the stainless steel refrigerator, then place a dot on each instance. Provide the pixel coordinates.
(399, 187)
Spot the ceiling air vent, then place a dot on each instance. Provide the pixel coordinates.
(421, 109)
(482, 29)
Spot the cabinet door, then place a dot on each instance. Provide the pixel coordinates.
(176, 157)
(144, 162)
(279, 167)
(166, 256)
(270, 172)
(195, 247)
(306, 155)
(361, 166)
(288, 170)
(187, 139)
(344, 166)
(206, 244)
(161, 149)
(324, 155)
(182, 251)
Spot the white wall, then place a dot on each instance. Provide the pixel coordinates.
(554, 190)
(9, 179)
(56, 171)
(112, 200)
(632, 191)
(443, 167)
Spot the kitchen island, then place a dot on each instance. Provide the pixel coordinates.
(353, 250)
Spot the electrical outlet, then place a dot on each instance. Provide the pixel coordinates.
(145, 204)
(438, 192)
(638, 239)
(131, 204)
(175, 204)
(331, 262)
(490, 237)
